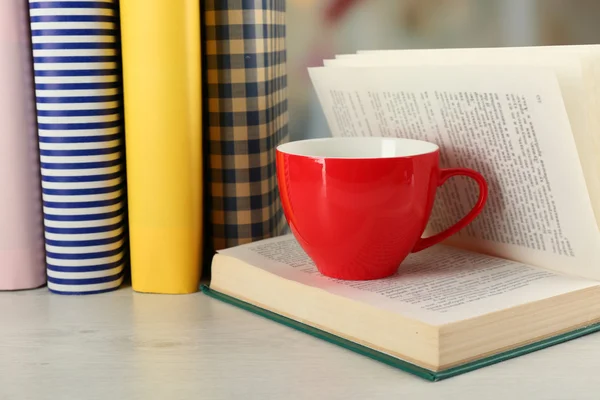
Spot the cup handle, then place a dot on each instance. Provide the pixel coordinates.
(424, 243)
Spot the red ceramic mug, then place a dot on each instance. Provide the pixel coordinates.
(358, 206)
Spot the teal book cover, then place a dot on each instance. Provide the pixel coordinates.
(405, 366)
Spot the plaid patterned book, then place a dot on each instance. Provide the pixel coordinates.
(245, 50)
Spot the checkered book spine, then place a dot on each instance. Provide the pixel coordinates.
(245, 49)
(77, 87)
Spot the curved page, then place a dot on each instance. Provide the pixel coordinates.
(75, 50)
(21, 235)
(161, 75)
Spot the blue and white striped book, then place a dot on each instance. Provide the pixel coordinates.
(78, 92)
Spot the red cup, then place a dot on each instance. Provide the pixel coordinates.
(358, 206)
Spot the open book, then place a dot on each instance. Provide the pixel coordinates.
(525, 274)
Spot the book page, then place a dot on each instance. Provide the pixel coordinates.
(508, 123)
(572, 66)
(462, 50)
(439, 285)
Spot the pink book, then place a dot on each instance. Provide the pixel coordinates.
(22, 264)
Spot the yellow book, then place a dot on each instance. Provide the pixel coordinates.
(162, 98)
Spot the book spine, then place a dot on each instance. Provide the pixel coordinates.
(78, 90)
(162, 97)
(247, 107)
(21, 235)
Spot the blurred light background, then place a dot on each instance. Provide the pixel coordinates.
(318, 29)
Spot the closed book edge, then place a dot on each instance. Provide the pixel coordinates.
(396, 362)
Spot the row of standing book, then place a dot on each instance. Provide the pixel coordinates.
(136, 138)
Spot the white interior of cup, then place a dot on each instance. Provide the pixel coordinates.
(358, 147)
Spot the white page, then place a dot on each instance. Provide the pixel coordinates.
(577, 96)
(439, 285)
(568, 72)
(538, 211)
(458, 50)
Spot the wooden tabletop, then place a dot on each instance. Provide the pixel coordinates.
(126, 345)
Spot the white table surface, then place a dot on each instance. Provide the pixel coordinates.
(126, 345)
